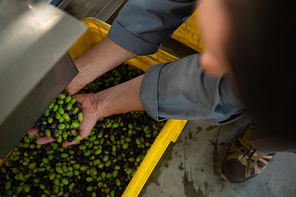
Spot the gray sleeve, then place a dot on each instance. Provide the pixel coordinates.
(181, 90)
(142, 25)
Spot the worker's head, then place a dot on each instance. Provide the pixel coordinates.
(254, 42)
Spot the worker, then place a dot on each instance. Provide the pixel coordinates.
(247, 66)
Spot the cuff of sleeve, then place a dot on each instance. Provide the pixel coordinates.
(149, 91)
(129, 41)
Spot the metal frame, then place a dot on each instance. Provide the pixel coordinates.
(109, 9)
(34, 36)
(64, 4)
(58, 3)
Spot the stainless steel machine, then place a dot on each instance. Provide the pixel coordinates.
(34, 64)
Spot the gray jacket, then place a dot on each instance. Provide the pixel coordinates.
(180, 89)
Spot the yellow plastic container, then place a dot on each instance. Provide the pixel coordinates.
(96, 32)
(189, 34)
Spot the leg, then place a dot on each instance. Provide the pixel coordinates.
(272, 142)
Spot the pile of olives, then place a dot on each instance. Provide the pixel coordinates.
(100, 165)
(61, 119)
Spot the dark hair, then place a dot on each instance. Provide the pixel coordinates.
(262, 56)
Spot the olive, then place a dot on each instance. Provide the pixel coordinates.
(41, 133)
(70, 138)
(74, 116)
(43, 118)
(42, 127)
(52, 114)
(37, 124)
(47, 147)
(77, 104)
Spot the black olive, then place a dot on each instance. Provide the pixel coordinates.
(37, 124)
(70, 138)
(42, 127)
(43, 118)
(74, 116)
(52, 114)
(77, 104)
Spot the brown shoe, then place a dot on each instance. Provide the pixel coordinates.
(242, 162)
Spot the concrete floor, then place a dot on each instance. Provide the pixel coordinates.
(190, 167)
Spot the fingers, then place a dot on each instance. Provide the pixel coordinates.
(66, 143)
(74, 86)
(33, 131)
(44, 140)
(86, 125)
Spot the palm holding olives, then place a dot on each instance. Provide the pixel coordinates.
(89, 118)
(61, 121)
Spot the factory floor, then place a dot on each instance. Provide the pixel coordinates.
(190, 167)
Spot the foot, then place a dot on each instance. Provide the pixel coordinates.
(242, 162)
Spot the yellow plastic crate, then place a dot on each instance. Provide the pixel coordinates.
(189, 34)
(96, 32)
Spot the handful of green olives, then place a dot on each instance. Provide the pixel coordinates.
(61, 119)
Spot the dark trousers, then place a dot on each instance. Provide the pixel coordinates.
(270, 142)
(262, 140)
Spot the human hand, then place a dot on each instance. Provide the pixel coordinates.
(103, 57)
(77, 83)
(86, 126)
(119, 99)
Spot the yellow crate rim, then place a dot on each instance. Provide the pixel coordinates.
(189, 33)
